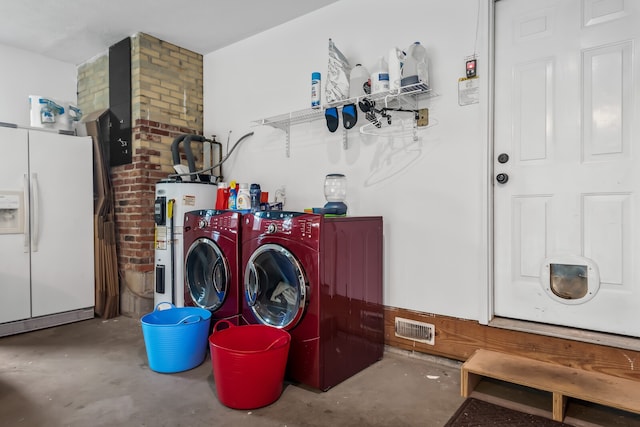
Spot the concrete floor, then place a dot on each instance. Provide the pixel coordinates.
(95, 373)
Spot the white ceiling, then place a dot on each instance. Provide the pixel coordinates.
(75, 31)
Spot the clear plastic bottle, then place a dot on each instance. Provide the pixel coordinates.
(316, 87)
(358, 78)
(380, 77)
(335, 191)
(255, 193)
(243, 200)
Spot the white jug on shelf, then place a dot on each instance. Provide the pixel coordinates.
(380, 77)
(396, 61)
(358, 81)
(416, 67)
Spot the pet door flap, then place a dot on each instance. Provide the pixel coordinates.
(570, 279)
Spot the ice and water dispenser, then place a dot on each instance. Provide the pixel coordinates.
(11, 212)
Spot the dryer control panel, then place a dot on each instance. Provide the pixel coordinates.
(296, 225)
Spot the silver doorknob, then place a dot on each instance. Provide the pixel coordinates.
(502, 178)
(503, 158)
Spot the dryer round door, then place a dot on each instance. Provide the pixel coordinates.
(275, 286)
(206, 274)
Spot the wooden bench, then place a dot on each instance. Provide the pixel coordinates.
(562, 381)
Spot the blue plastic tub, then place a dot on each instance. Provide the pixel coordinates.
(176, 339)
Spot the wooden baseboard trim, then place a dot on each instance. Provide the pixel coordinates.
(458, 339)
(600, 338)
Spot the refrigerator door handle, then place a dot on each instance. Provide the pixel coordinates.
(25, 210)
(35, 229)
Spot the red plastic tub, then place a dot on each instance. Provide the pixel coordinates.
(248, 364)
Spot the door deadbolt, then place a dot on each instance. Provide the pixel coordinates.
(502, 178)
(503, 158)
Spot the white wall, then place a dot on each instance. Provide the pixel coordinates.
(23, 73)
(432, 194)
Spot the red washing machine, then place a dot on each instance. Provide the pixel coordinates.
(321, 280)
(212, 275)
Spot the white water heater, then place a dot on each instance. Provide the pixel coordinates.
(173, 200)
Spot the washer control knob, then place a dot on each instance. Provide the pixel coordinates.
(272, 228)
(202, 223)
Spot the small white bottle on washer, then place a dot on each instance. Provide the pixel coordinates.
(244, 197)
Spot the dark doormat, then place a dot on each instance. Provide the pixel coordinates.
(478, 413)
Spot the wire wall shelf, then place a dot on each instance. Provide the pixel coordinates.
(405, 95)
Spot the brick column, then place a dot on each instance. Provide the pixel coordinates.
(166, 85)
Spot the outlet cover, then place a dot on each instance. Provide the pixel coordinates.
(423, 117)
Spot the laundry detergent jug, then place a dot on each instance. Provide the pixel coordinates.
(415, 68)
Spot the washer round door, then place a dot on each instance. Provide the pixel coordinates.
(206, 274)
(275, 286)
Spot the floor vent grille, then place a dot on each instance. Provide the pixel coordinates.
(416, 331)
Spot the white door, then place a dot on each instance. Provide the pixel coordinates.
(62, 263)
(15, 300)
(567, 223)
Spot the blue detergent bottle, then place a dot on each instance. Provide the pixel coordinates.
(232, 198)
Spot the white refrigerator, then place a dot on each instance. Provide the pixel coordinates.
(46, 229)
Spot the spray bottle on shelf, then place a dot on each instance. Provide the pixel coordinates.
(316, 87)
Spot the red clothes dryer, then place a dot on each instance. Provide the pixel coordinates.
(212, 275)
(321, 280)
